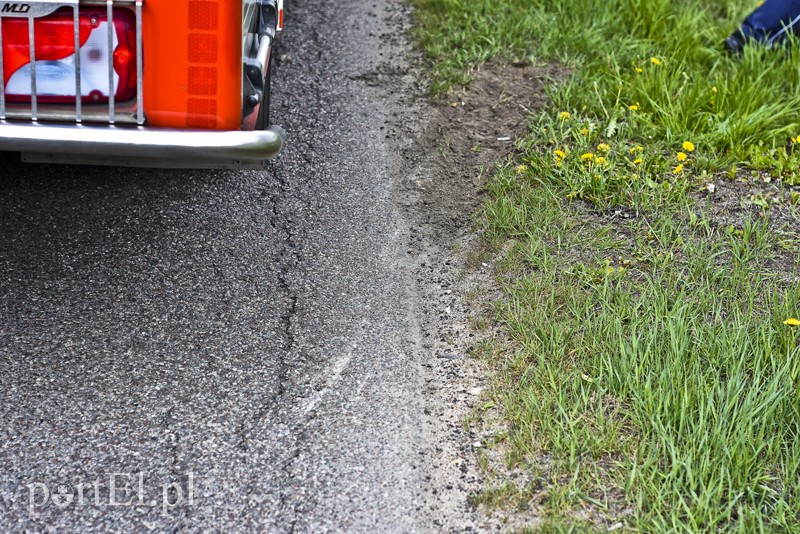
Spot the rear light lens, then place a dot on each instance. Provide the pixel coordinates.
(54, 48)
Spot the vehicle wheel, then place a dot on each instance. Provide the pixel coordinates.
(262, 123)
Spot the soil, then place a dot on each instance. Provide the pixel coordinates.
(757, 197)
(461, 135)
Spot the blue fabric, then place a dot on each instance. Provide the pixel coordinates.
(772, 21)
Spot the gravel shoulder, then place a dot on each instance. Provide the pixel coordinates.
(442, 150)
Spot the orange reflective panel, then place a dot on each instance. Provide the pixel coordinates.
(193, 63)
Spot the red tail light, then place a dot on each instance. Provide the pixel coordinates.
(54, 49)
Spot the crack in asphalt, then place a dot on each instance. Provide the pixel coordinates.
(288, 261)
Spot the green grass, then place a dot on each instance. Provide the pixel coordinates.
(664, 377)
(697, 91)
(643, 365)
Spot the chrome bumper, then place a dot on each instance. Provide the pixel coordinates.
(140, 146)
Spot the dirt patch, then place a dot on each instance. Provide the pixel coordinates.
(444, 148)
(462, 135)
(751, 195)
(729, 203)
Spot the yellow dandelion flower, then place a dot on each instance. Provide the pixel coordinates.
(559, 154)
(584, 131)
(521, 168)
(688, 146)
(587, 157)
(637, 148)
(633, 107)
(639, 70)
(637, 161)
(678, 169)
(655, 61)
(681, 156)
(600, 160)
(564, 115)
(602, 147)
(791, 321)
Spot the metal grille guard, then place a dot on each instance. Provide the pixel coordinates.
(33, 9)
(123, 139)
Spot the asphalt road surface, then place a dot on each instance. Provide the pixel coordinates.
(236, 350)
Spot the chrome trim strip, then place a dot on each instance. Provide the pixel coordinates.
(90, 113)
(78, 94)
(111, 31)
(263, 52)
(249, 14)
(32, 48)
(176, 146)
(139, 66)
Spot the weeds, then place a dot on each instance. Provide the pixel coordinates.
(666, 371)
(654, 358)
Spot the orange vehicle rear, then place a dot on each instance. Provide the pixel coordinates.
(193, 63)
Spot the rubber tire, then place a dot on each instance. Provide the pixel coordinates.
(262, 122)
